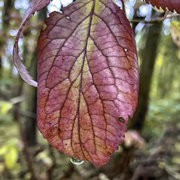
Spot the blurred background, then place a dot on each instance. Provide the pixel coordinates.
(151, 150)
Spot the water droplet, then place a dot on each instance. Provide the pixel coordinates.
(76, 161)
(125, 49)
(122, 119)
(67, 17)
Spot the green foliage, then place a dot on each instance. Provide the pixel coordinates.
(164, 104)
(5, 107)
(9, 148)
(10, 155)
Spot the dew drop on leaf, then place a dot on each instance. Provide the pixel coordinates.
(76, 161)
(125, 49)
(121, 119)
(67, 17)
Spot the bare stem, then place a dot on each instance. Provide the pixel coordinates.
(26, 150)
(123, 7)
(155, 20)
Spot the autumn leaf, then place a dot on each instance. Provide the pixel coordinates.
(170, 4)
(87, 79)
(34, 6)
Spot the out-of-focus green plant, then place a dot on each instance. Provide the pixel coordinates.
(5, 106)
(161, 113)
(9, 154)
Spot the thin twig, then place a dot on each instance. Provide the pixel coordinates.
(69, 173)
(123, 7)
(17, 100)
(155, 20)
(174, 15)
(146, 22)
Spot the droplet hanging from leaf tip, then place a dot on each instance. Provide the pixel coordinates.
(76, 161)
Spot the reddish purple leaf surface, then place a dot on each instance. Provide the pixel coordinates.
(87, 79)
(170, 4)
(34, 6)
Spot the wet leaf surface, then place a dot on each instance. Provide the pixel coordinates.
(87, 79)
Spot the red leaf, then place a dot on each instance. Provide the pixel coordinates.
(87, 79)
(34, 6)
(170, 4)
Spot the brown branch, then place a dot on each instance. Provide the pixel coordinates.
(155, 20)
(174, 15)
(26, 150)
(69, 173)
(123, 7)
(53, 166)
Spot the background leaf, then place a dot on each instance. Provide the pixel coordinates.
(11, 157)
(87, 79)
(170, 4)
(34, 6)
